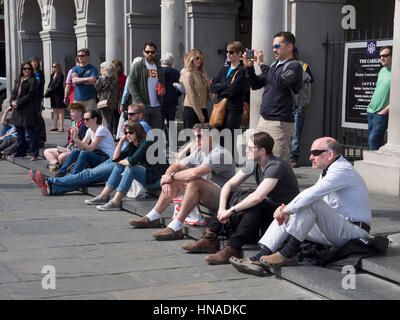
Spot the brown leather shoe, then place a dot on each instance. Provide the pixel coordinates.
(168, 234)
(207, 243)
(222, 256)
(144, 222)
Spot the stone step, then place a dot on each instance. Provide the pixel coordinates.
(386, 266)
(328, 283)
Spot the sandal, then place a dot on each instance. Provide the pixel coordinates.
(60, 130)
(53, 129)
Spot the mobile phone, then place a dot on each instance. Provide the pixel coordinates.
(249, 54)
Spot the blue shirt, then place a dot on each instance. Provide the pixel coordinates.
(85, 92)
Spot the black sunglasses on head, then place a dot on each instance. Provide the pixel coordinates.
(316, 153)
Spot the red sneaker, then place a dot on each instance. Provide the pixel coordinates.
(44, 188)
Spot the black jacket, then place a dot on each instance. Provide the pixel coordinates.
(277, 101)
(170, 99)
(27, 113)
(56, 90)
(224, 88)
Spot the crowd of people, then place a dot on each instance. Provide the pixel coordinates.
(107, 106)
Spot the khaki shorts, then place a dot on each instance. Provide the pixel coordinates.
(216, 192)
(281, 132)
(89, 104)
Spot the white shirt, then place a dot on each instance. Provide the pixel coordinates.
(342, 189)
(152, 82)
(106, 144)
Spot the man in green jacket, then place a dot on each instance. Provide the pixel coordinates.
(146, 85)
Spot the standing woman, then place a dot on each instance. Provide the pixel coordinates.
(223, 86)
(55, 91)
(39, 75)
(108, 88)
(119, 70)
(197, 87)
(25, 111)
(96, 147)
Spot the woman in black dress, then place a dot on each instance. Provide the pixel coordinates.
(55, 91)
(25, 111)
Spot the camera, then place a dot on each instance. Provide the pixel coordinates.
(249, 54)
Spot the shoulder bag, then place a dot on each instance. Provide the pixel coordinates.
(219, 110)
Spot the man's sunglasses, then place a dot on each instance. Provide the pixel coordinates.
(149, 52)
(277, 46)
(231, 52)
(384, 55)
(133, 113)
(87, 119)
(316, 153)
(81, 55)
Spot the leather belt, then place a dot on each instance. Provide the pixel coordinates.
(362, 225)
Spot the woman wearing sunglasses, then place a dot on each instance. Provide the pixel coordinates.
(197, 88)
(55, 91)
(25, 111)
(96, 147)
(131, 163)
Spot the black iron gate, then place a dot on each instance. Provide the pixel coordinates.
(353, 141)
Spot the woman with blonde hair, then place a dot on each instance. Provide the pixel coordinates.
(197, 88)
(108, 88)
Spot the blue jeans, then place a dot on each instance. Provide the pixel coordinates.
(75, 181)
(4, 129)
(296, 134)
(21, 142)
(377, 126)
(80, 157)
(122, 177)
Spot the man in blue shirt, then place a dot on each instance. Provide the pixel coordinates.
(84, 77)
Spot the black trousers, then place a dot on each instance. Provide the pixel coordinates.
(231, 122)
(190, 117)
(246, 226)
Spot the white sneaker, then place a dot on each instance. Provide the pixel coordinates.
(97, 201)
(109, 206)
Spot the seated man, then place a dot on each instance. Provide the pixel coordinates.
(277, 184)
(209, 158)
(333, 211)
(89, 176)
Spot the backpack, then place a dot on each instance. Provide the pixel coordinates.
(303, 96)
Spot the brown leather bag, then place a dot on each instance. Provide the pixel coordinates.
(219, 111)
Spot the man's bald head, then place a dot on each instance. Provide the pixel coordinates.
(329, 143)
(324, 151)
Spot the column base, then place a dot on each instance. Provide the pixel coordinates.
(381, 171)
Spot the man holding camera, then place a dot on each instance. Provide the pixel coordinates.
(280, 80)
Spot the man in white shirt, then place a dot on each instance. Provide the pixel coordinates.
(333, 211)
(144, 79)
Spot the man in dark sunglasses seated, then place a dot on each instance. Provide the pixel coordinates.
(333, 211)
(58, 186)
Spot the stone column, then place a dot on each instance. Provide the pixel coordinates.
(115, 29)
(91, 36)
(268, 19)
(172, 30)
(381, 169)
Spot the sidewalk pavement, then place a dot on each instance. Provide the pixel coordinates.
(97, 255)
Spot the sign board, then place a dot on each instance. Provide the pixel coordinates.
(361, 68)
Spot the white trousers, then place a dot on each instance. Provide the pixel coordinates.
(318, 223)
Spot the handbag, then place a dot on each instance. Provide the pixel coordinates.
(103, 104)
(219, 111)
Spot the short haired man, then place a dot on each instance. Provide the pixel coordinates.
(209, 158)
(277, 184)
(278, 79)
(143, 82)
(378, 109)
(84, 77)
(333, 211)
(58, 186)
(135, 114)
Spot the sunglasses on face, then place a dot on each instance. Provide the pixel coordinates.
(277, 46)
(81, 55)
(54, 66)
(384, 55)
(150, 52)
(231, 52)
(316, 153)
(87, 119)
(198, 58)
(129, 132)
(26, 69)
(132, 114)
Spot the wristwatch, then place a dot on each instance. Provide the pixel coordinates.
(172, 175)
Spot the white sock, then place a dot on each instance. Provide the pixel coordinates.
(175, 225)
(153, 215)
